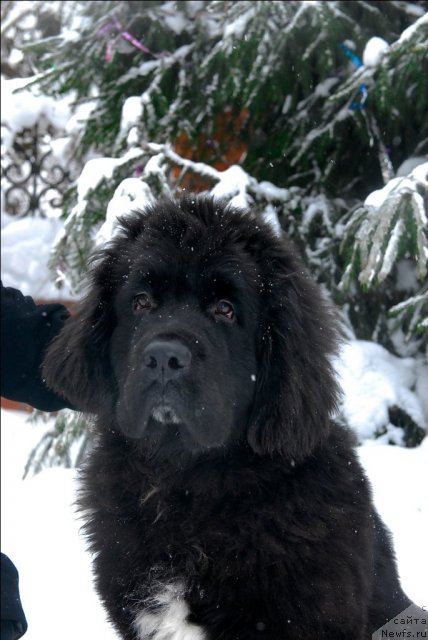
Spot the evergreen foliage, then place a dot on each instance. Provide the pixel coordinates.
(65, 445)
(275, 87)
(387, 233)
(277, 68)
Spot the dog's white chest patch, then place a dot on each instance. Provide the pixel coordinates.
(164, 617)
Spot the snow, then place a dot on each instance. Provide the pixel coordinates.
(287, 104)
(41, 531)
(132, 111)
(175, 21)
(16, 11)
(410, 164)
(194, 7)
(422, 385)
(15, 57)
(406, 276)
(237, 28)
(21, 108)
(130, 195)
(26, 247)
(399, 479)
(41, 534)
(272, 192)
(323, 89)
(408, 33)
(373, 380)
(270, 216)
(391, 250)
(97, 169)
(418, 175)
(233, 185)
(374, 51)
(318, 207)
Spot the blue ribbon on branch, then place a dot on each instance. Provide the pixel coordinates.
(362, 91)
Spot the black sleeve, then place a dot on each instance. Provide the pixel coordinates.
(11, 608)
(27, 329)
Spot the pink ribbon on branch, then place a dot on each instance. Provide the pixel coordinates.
(115, 24)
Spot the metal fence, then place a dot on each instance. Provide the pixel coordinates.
(33, 181)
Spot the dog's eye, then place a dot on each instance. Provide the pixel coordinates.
(142, 302)
(225, 309)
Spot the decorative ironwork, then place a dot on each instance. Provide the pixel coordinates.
(33, 181)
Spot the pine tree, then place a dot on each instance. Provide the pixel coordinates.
(275, 87)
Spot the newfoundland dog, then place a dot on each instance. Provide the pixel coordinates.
(220, 499)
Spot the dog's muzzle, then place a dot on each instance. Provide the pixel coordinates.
(166, 360)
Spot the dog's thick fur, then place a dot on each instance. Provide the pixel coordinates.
(221, 501)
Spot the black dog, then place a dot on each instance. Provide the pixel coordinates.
(221, 500)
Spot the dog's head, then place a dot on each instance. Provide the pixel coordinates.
(200, 329)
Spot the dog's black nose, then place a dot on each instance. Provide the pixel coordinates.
(165, 360)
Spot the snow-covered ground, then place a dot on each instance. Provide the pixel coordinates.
(40, 531)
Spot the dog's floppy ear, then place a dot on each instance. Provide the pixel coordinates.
(296, 391)
(76, 365)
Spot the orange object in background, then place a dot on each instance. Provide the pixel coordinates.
(224, 148)
(12, 405)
